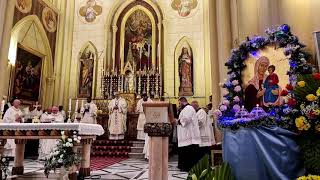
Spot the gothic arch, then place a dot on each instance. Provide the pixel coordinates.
(47, 73)
(86, 47)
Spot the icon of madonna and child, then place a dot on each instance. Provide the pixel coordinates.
(263, 89)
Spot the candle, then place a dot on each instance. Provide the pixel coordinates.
(69, 104)
(2, 105)
(140, 52)
(77, 104)
(82, 102)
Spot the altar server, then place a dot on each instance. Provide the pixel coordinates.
(117, 117)
(206, 130)
(188, 136)
(89, 112)
(142, 118)
(12, 115)
(46, 146)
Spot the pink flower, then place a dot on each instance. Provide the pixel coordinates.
(217, 113)
(236, 99)
(235, 82)
(226, 102)
(225, 92)
(237, 89)
(223, 108)
(236, 108)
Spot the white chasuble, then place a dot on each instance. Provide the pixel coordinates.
(188, 129)
(117, 118)
(141, 119)
(10, 117)
(206, 129)
(90, 114)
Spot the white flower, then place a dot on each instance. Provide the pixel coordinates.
(78, 141)
(75, 139)
(237, 89)
(60, 161)
(68, 144)
(69, 140)
(53, 159)
(235, 82)
(71, 145)
(63, 137)
(3, 159)
(79, 137)
(74, 132)
(62, 132)
(61, 156)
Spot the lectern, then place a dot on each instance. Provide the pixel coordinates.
(158, 128)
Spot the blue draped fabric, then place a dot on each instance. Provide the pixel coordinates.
(262, 154)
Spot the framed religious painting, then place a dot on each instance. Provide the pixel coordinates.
(27, 75)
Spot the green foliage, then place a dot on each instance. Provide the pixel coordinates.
(203, 171)
(310, 148)
(311, 87)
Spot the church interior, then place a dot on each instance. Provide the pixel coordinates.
(97, 72)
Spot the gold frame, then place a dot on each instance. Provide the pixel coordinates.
(122, 34)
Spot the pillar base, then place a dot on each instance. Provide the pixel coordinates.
(72, 176)
(17, 170)
(84, 172)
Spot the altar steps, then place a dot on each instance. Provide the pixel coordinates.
(137, 150)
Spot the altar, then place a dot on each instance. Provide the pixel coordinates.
(22, 132)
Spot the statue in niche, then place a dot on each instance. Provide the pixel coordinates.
(129, 82)
(86, 73)
(185, 73)
(90, 10)
(184, 7)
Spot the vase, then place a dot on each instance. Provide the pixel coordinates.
(310, 149)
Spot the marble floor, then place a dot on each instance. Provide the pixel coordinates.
(127, 169)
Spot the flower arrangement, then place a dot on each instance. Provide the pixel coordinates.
(309, 177)
(63, 155)
(4, 164)
(233, 93)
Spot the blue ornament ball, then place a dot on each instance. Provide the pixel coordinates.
(285, 28)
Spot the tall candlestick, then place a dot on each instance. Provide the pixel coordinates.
(77, 105)
(140, 56)
(82, 102)
(69, 104)
(149, 53)
(2, 104)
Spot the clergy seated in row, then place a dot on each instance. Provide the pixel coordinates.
(117, 117)
(46, 146)
(12, 115)
(31, 111)
(89, 112)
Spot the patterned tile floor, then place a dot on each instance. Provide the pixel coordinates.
(127, 169)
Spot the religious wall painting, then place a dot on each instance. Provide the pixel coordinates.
(185, 69)
(184, 7)
(265, 75)
(49, 19)
(24, 6)
(27, 75)
(86, 73)
(90, 10)
(138, 40)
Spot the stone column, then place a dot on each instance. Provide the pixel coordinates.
(17, 169)
(224, 35)
(158, 128)
(4, 48)
(85, 162)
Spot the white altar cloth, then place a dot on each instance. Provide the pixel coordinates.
(83, 129)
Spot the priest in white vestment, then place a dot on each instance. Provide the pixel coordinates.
(46, 146)
(12, 115)
(117, 117)
(188, 136)
(37, 111)
(89, 112)
(142, 118)
(206, 129)
(28, 113)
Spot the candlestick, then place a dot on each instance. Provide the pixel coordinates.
(2, 108)
(82, 103)
(77, 105)
(149, 53)
(69, 116)
(69, 104)
(148, 83)
(139, 86)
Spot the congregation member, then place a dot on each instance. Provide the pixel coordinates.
(205, 128)
(12, 115)
(89, 110)
(46, 146)
(117, 117)
(188, 136)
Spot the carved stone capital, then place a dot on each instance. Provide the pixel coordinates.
(86, 141)
(158, 129)
(20, 141)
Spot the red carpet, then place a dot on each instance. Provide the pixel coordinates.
(98, 163)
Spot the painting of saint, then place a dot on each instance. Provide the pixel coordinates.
(26, 84)
(184, 7)
(49, 19)
(185, 72)
(138, 40)
(24, 6)
(87, 59)
(90, 10)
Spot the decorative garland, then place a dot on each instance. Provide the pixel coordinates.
(233, 93)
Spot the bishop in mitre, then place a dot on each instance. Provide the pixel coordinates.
(12, 115)
(89, 112)
(117, 117)
(46, 146)
(142, 117)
